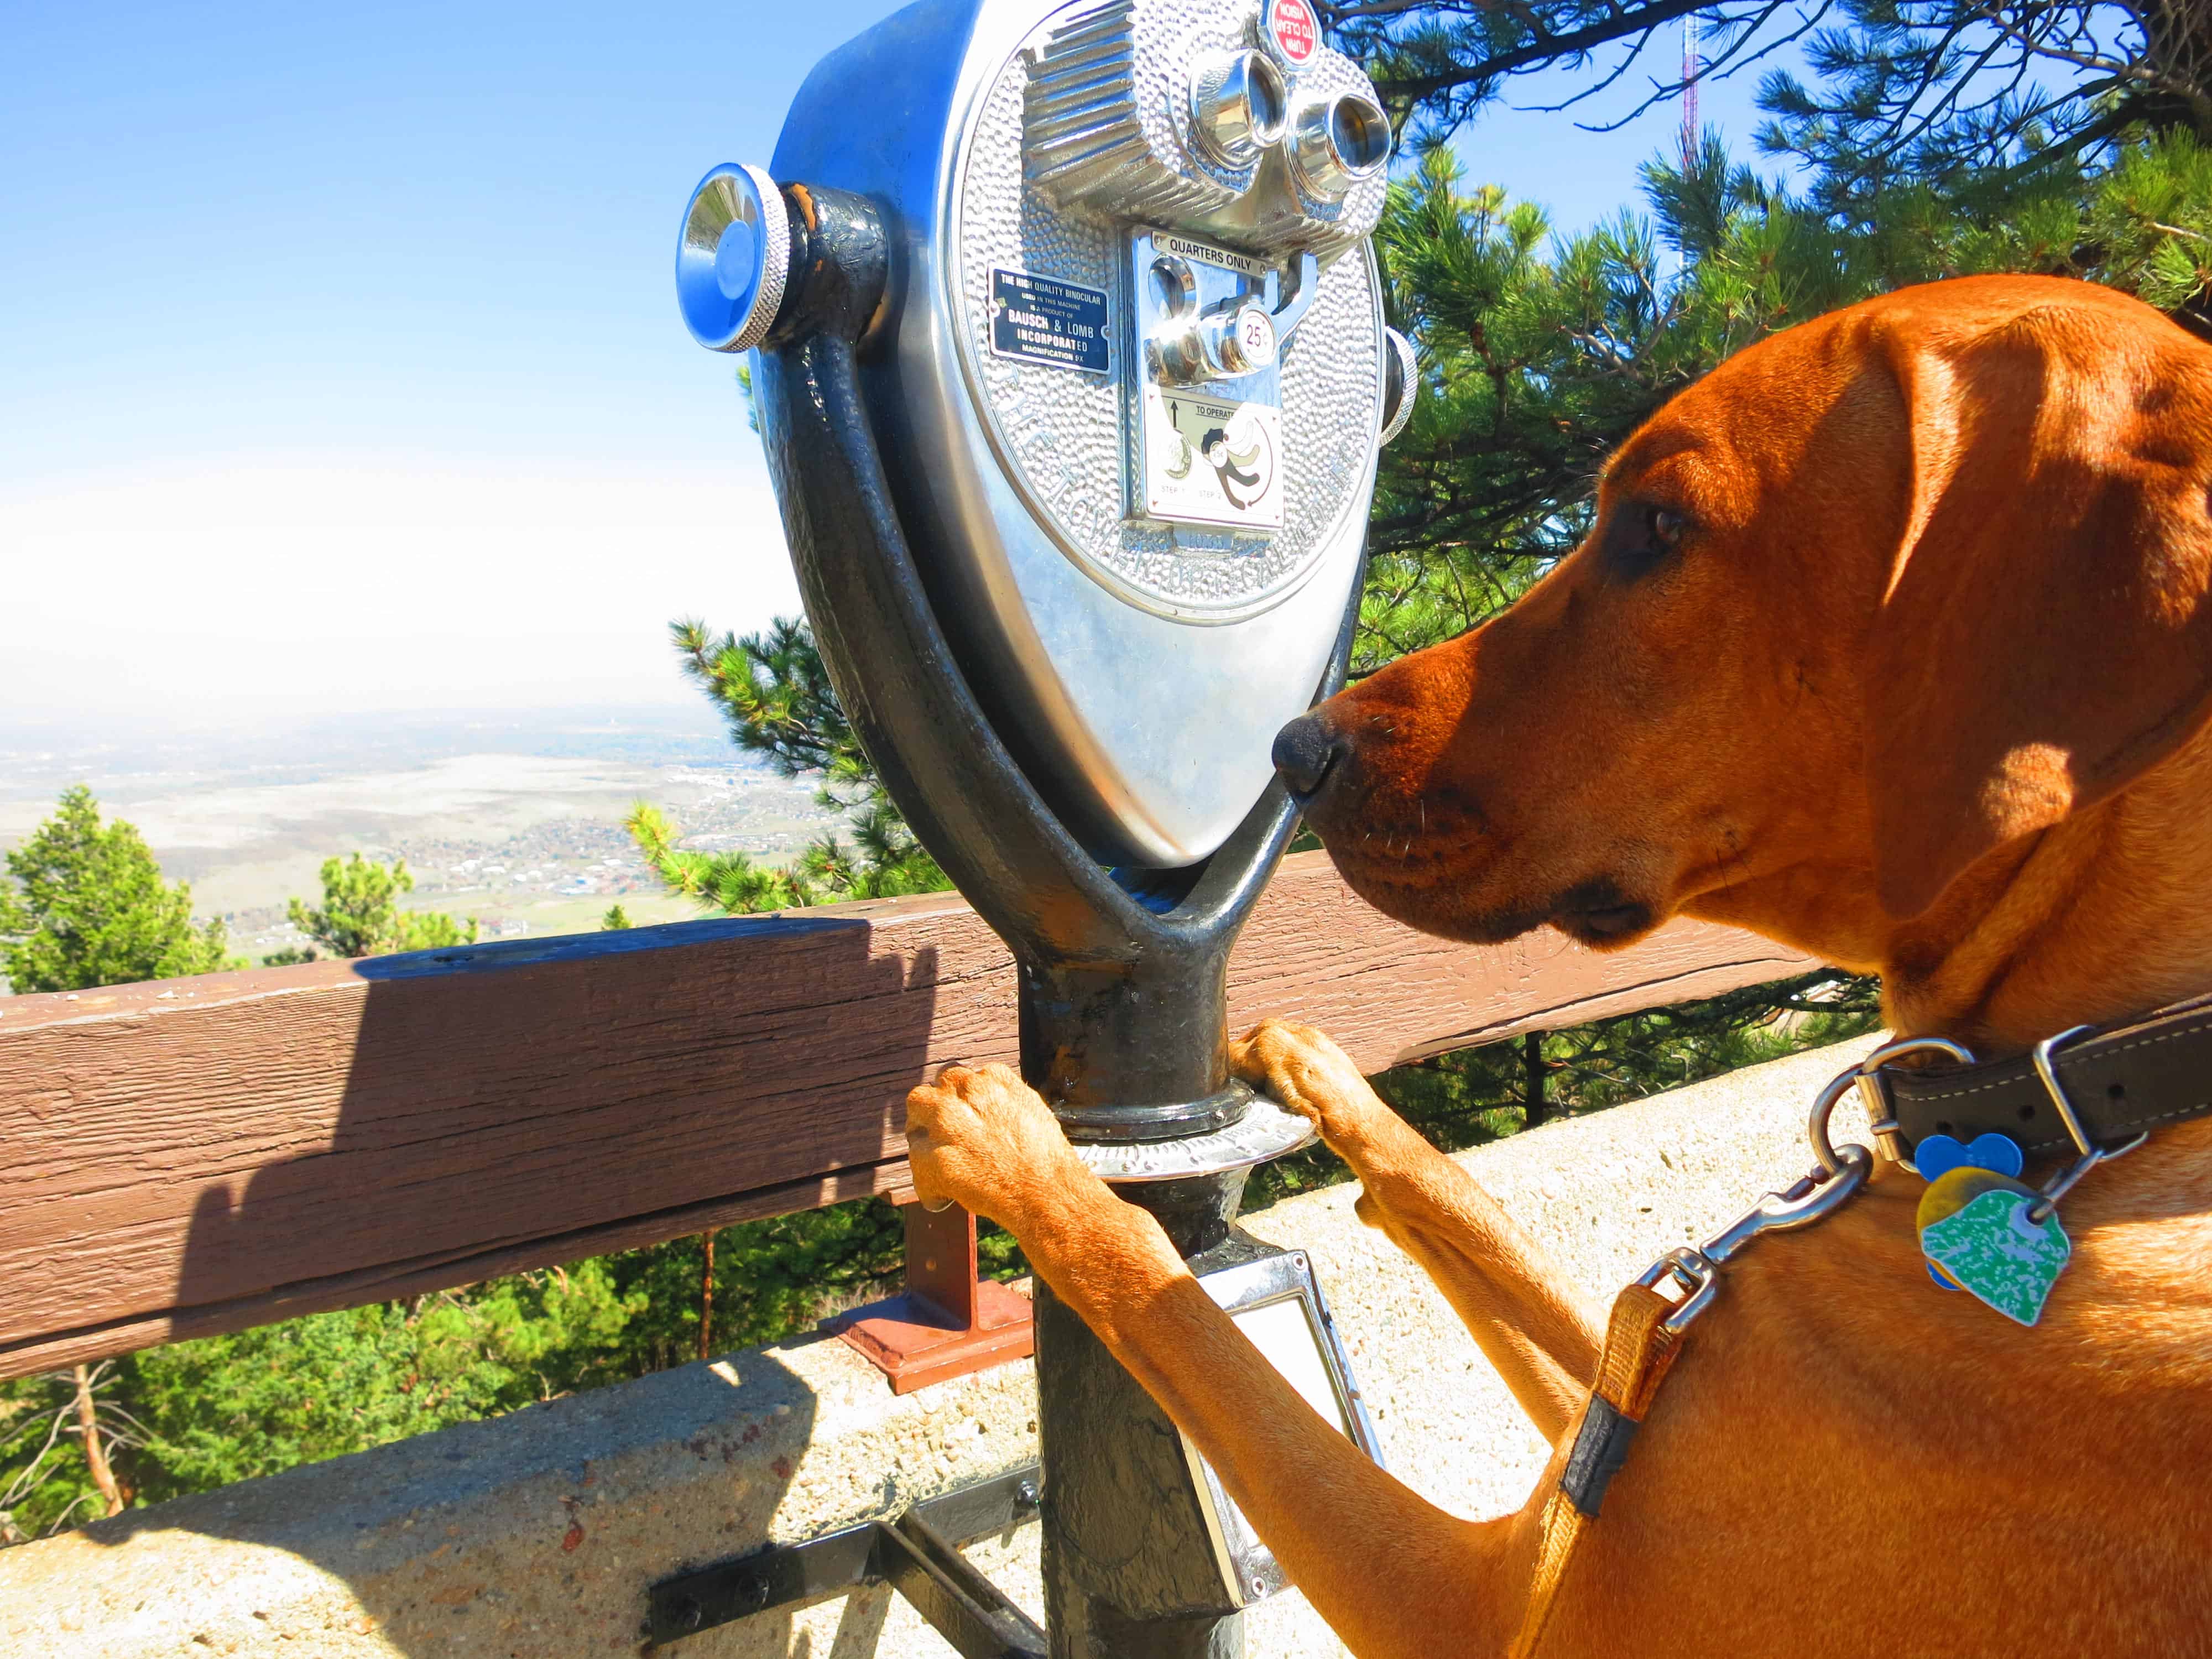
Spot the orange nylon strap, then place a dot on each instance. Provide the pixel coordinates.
(1638, 1349)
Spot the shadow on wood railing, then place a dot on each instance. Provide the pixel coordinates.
(196, 1156)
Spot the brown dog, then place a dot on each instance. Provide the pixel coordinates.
(1892, 641)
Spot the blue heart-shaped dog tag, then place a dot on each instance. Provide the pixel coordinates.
(1938, 1155)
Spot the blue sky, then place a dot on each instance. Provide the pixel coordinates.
(341, 365)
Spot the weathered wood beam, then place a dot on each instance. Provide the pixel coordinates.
(202, 1155)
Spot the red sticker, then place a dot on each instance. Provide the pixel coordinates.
(1296, 34)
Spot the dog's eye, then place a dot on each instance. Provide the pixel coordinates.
(1641, 538)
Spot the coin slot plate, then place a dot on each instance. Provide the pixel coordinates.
(1206, 452)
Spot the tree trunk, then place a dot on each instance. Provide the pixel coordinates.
(1532, 1108)
(95, 1453)
(706, 1299)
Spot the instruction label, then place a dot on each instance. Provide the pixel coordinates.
(1212, 460)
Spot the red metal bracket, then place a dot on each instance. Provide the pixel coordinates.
(948, 1322)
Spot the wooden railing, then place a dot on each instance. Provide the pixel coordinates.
(200, 1155)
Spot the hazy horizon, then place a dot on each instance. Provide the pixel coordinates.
(344, 369)
(25, 728)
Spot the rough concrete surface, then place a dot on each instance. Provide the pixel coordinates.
(535, 1537)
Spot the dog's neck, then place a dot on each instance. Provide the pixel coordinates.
(2100, 916)
(2095, 918)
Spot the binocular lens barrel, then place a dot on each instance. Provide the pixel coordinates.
(1338, 142)
(1239, 106)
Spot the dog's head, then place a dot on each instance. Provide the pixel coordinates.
(1876, 596)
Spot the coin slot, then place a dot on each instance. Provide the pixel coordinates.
(1175, 288)
(1236, 338)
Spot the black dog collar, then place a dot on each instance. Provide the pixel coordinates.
(2120, 1081)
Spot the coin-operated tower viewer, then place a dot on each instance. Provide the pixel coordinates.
(1072, 369)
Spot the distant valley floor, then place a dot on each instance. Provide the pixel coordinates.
(515, 820)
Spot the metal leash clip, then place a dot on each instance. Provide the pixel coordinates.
(1833, 1181)
(1696, 1269)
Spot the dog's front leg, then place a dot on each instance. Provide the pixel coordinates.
(1523, 1312)
(1396, 1576)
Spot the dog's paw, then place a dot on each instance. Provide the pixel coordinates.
(1306, 1071)
(981, 1138)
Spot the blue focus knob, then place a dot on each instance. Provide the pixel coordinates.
(732, 258)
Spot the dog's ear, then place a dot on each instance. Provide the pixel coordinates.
(2045, 635)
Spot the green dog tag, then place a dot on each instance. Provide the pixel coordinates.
(1974, 1227)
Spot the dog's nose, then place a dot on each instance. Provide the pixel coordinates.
(1304, 753)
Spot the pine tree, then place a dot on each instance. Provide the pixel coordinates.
(89, 908)
(360, 915)
(230, 1408)
(774, 696)
(1901, 91)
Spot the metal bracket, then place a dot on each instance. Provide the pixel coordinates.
(917, 1555)
(963, 1607)
(948, 1322)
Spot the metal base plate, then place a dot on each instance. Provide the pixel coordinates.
(910, 1341)
(949, 1323)
(1265, 1132)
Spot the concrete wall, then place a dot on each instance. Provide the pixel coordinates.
(534, 1536)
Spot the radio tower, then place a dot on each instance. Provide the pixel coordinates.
(1691, 67)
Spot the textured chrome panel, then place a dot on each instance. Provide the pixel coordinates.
(1062, 434)
(1147, 734)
